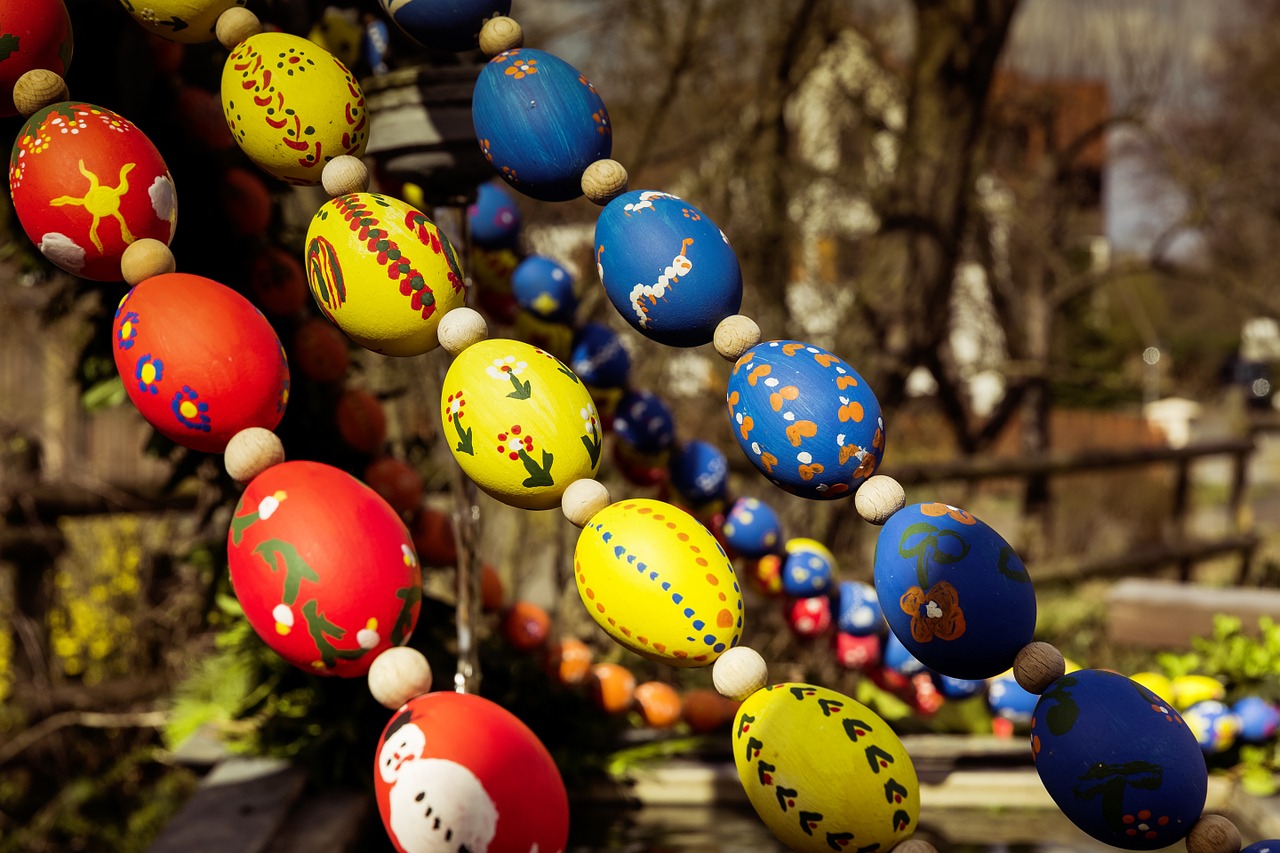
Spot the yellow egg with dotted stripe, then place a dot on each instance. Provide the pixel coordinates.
(292, 106)
(823, 771)
(187, 21)
(520, 423)
(658, 582)
(382, 272)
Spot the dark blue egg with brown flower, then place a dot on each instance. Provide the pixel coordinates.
(447, 25)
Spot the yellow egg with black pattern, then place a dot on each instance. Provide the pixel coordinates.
(657, 581)
(519, 422)
(186, 21)
(823, 771)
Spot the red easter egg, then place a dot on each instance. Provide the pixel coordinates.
(86, 183)
(855, 652)
(277, 282)
(34, 34)
(320, 351)
(706, 710)
(246, 201)
(398, 483)
(433, 537)
(659, 703)
(324, 569)
(613, 687)
(809, 617)
(361, 421)
(198, 360)
(492, 594)
(526, 626)
(766, 574)
(569, 661)
(455, 771)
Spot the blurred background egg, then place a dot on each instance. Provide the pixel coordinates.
(447, 25)
(612, 687)
(1193, 688)
(42, 38)
(659, 703)
(859, 610)
(699, 472)
(526, 626)
(545, 289)
(1259, 719)
(766, 574)
(187, 21)
(751, 528)
(809, 617)
(958, 688)
(857, 652)
(807, 568)
(898, 659)
(277, 282)
(600, 357)
(1008, 700)
(643, 422)
(569, 661)
(493, 220)
(1214, 724)
(1156, 683)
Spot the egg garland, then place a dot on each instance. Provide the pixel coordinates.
(34, 36)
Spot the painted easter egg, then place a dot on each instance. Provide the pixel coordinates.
(1268, 846)
(859, 610)
(198, 360)
(188, 21)
(1008, 700)
(666, 267)
(1190, 689)
(519, 422)
(569, 661)
(540, 123)
(526, 626)
(1259, 719)
(824, 772)
(86, 183)
(807, 568)
(699, 472)
(328, 598)
(1156, 683)
(449, 25)
(658, 582)
(382, 272)
(493, 219)
(809, 617)
(958, 688)
(1118, 761)
(292, 106)
(766, 574)
(751, 528)
(1214, 724)
(455, 771)
(33, 35)
(612, 687)
(857, 652)
(805, 419)
(643, 422)
(954, 592)
(659, 704)
(600, 357)
(899, 659)
(545, 289)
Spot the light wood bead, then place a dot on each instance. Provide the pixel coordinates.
(37, 89)
(915, 845)
(345, 174)
(583, 499)
(735, 335)
(252, 451)
(398, 675)
(145, 258)
(879, 498)
(235, 25)
(1037, 666)
(461, 328)
(603, 181)
(1213, 833)
(739, 672)
(500, 34)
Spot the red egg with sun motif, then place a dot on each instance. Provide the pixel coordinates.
(86, 183)
(323, 567)
(198, 360)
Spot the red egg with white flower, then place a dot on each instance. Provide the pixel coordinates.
(323, 567)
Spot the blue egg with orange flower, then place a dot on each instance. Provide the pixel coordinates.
(953, 591)
(859, 612)
(751, 528)
(493, 219)
(805, 419)
(544, 289)
(445, 25)
(540, 123)
(1119, 761)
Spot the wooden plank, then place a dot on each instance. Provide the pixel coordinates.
(329, 821)
(1162, 614)
(1140, 559)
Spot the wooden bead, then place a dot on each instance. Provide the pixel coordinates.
(879, 498)
(398, 675)
(1213, 833)
(145, 258)
(461, 328)
(252, 451)
(603, 181)
(739, 672)
(583, 499)
(915, 845)
(500, 34)
(235, 25)
(37, 89)
(1037, 666)
(345, 174)
(735, 335)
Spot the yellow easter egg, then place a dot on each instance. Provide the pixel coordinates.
(1187, 690)
(292, 106)
(382, 272)
(187, 21)
(1155, 682)
(658, 582)
(519, 422)
(824, 772)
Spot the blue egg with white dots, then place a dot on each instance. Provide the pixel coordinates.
(447, 25)
(807, 569)
(751, 528)
(643, 422)
(494, 219)
(1007, 699)
(666, 267)
(1214, 724)
(958, 688)
(699, 472)
(599, 357)
(1271, 845)
(859, 610)
(897, 658)
(1259, 719)
(544, 289)
(540, 123)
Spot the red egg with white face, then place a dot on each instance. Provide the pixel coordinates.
(198, 360)
(455, 771)
(323, 567)
(34, 34)
(87, 183)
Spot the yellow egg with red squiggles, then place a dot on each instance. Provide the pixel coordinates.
(187, 21)
(198, 360)
(34, 35)
(658, 582)
(823, 771)
(326, 597)
(382, 272)
(87, 183)
(292, 106)
(519, 423)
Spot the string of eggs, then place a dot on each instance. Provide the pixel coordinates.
(823, 771)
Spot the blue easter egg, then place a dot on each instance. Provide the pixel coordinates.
(807, 568)
(898, 659)
(494, 219)
(1214, 724)
(1006, 698)
(452, 25)
(1271, 845)
(599, 357)
(643, 422)
(751, 528)
(540, 123)
(544, 289)
(1118, 761)
(805, 419)
(953, 590)
(1259, 719)
(699, 472)
(958, 688)
(666, 267)
(859, 612)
